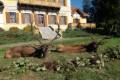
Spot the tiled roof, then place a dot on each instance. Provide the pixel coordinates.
(76, 10)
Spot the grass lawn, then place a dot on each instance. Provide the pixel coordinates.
(111, 71)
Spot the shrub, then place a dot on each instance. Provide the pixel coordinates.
(1, 30)
(28, 28)
(112, 53)
(13, 37)
(14, 29)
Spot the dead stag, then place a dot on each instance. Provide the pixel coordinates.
(27, 51)
(91, 47)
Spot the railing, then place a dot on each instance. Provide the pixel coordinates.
(47, 3)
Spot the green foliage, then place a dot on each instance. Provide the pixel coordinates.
(23, 65)
(14, 29)
(107, 16)
(65, 70)
(13, 37)
(86, 5)
(1, 30)
(28, 28)
(112, 53)
(69, 69)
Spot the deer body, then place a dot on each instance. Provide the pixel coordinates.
(70, 49)
(26, 51)
(91, 47)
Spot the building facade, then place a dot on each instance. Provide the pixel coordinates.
(78, 15)
(41, 13)
(79, 19)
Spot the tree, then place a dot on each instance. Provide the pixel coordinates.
(107, 15)
(86, 5)
(89, 8)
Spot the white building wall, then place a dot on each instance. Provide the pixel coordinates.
(66, 11)
(83, 20)
(10, 5)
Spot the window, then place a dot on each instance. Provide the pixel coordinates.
(13, 17)
(76, 20)
(27, 18)
(62, 2)
(63, 20)
(41, 20)
(52, 19)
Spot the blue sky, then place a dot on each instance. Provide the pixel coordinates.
(77, 3)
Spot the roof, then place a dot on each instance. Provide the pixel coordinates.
(82, 13)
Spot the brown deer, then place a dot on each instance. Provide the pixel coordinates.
(27, 51)
(91, 47)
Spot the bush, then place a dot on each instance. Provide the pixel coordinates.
(1, 30)
(28, 29)
(14, 29)
(13, 37)
(112, 53)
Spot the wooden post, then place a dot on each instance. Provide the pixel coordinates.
(58, 22)
(46, 19)
(20, 17)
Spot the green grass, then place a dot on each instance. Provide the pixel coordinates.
(111, 71)
(76, 33)
(14, 37)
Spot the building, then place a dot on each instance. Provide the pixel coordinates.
(79, 19)
(41, 13)
(78, 16)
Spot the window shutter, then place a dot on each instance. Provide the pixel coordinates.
(17, 18)
(7, 17)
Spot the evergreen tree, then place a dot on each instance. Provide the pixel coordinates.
(90, 9)
(107, 15)
(86, 5)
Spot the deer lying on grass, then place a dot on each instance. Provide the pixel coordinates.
(27, 51)
(91, 47)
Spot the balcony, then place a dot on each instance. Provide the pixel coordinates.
(46, 3)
